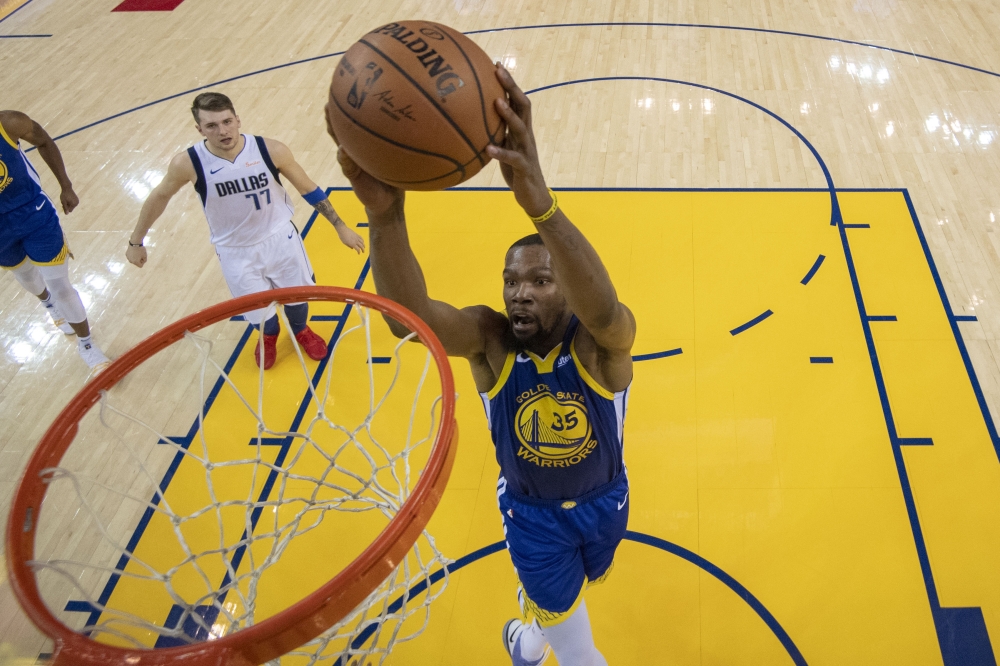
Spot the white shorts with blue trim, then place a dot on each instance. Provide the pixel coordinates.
(276, 262)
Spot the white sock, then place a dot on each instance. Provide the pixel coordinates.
(85, 340)
(572, 640)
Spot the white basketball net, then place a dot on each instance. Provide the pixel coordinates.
(329, 468)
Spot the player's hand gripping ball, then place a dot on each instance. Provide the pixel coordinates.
(412, 103)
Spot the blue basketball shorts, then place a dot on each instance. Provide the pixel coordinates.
(559, 547)
(32, 231)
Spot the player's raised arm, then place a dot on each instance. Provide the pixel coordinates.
(283, 159)
(577, 267)
(19, 126)
(398, 275)
(179, 173)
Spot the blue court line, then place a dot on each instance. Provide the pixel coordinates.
(957, 630)
(533, 27)
(381, 359)
(654, 355)
(812, 271)
(835, 215)
(311, 318)
(268, 441)
(182, 441)
(915, 441)
(143, 523)
(753, 322)
(638, 537)
(147, 515)
(836, 219)
(183, 615)
(954, 319)
(20, 36)
(857, 226)
(881, 317)
(943, 618)
(493, 188)
(706, 26)
(730, 582)
(821, 359)
(16, 11)
(188, 92)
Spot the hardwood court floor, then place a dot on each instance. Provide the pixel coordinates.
(855, 500)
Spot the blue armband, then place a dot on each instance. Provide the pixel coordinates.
(315, 196)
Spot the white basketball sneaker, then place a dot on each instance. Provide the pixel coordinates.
(511, 634)
(58, 319)
(92, 356)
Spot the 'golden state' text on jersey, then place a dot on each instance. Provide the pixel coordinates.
(243, 199)
(557, 432)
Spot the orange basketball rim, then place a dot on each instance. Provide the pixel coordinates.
(291, 627)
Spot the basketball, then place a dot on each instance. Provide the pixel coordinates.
(413, 104)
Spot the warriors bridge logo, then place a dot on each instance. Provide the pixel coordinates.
(554, 430)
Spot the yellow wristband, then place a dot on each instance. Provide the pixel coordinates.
(550, 212)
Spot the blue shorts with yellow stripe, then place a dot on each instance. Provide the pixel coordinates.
(32, 232)
(559, 547)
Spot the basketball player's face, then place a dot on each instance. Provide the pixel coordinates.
(535, 303)
(220, 128)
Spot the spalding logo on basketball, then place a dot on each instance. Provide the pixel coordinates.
(413, 104)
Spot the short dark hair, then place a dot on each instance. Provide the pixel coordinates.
(533, 239)
(211, 101)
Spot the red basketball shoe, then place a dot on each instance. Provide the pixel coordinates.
(313, 345)
(270, 351)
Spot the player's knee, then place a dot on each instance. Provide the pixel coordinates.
(60, 287)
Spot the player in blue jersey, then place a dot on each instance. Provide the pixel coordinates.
(553, 373)
(32, 245)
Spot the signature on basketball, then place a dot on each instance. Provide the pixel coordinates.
(385, 97)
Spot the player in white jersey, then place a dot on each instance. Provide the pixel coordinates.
(238, 177)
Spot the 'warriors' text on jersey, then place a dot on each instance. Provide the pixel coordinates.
(557, 432)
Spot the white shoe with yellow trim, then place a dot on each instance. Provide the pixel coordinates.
(92, 356)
